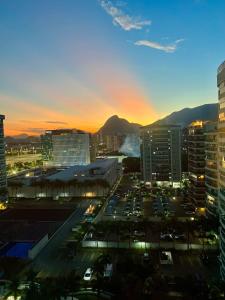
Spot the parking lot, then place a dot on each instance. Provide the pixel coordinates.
(183, 263)
(133, 201)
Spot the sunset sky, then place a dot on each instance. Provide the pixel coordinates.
(74, 63)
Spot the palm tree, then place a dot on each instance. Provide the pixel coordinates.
(32, 292)
(57, 185)
(53, 288)
(13, 289)
(72, 183)
(72, 283)
(98, 268)
(14, 185)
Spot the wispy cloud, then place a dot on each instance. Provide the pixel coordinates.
(122, 19)
(170, 48)
(56, 122)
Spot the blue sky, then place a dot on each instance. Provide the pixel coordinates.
(74, 63)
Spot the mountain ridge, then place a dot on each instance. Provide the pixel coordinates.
(187, 115)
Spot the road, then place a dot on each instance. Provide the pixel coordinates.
(102, 210)
(47, 261)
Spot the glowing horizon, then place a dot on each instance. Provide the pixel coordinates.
(73, 64)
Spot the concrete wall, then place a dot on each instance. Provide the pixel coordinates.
(143, 245)
(38, 247)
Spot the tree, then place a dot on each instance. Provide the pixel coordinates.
(13, 289)
(98, 268)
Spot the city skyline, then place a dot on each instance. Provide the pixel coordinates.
(76, 64)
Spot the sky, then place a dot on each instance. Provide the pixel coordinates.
(75, 63)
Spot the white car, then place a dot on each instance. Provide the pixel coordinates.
(88, 274)
(166, 258)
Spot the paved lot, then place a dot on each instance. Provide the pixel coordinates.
(135, 202)
(184, 263)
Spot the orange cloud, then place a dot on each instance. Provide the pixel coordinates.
(107, 89)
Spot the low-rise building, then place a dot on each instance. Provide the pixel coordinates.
(93, 180)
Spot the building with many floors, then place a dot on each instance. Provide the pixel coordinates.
(66, 148)
(161, 154)
(211, 170)
(3, 179)
(196, 163)
(221, 162)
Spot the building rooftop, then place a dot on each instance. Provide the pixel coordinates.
(2, 117)
(64, 131)
(93, 170)
(30, 224)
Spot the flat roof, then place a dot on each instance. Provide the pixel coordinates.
(64, 131)
(72, 172)
(30, 225)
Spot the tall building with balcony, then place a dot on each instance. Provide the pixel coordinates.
(211, 170)
(196, 163)
(221, 162)
(3, 180)
(66, 148)
(161, 154)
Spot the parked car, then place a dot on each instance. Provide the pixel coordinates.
(146, 257)
(166, 258)
(88, 274)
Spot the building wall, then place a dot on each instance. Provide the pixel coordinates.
(161, 153)
(96, 182)
(66, 148)
(221, 162)
(38, 247)
(3, 180)
(71, 149)
(196, 163)
(211, 170)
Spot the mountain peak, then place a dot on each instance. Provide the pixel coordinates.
(118, 126)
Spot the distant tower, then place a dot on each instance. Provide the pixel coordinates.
(65, 148)
(161, 154)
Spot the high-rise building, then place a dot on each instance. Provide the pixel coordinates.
(221, 162)
(65, 148)
(3, 180)
(161, 153)
(196, 163)
(113, 142)
(211, 170)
